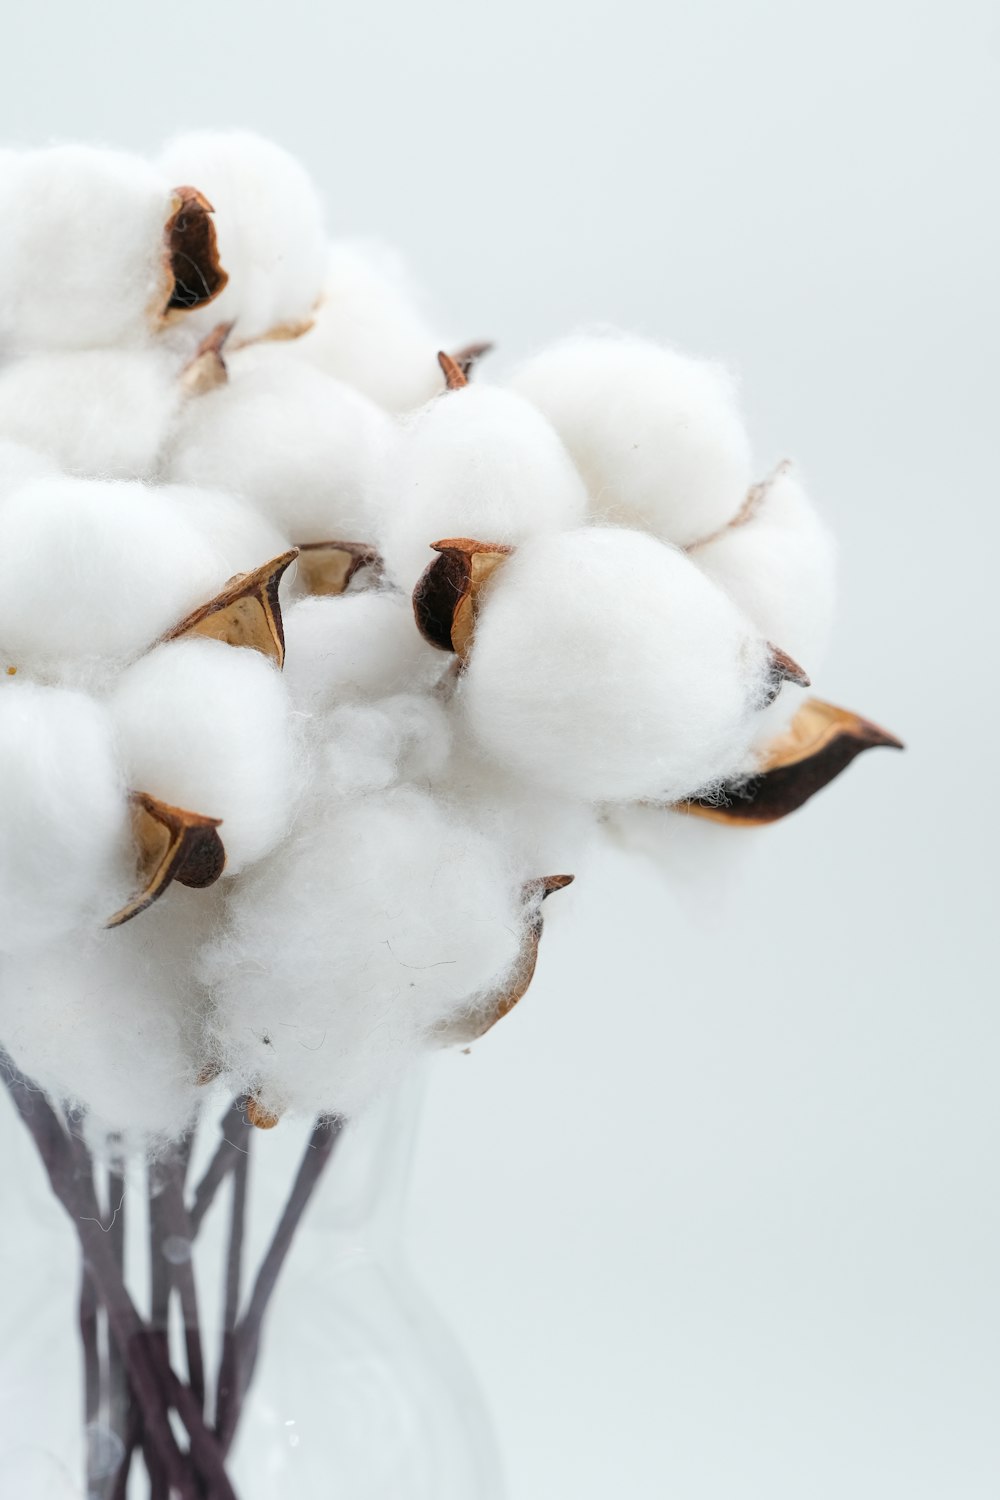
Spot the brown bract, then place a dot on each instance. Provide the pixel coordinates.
(171, 844)
(755, 499)
(326, 568)
(484, 1018)
(246, 613)
(821, 741)
(193, 272)
(469, 356)
(258, 1116)
(454, 376)
(448, 596)
(206, 370)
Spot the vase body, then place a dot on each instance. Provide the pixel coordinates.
(358, 1391)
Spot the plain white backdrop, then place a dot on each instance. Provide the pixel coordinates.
(715, 1212)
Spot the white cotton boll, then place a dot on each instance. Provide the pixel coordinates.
(269, 225)
(476, 462)
(91, 570)
(113, 1022)
(704, 865)
(657, 435)
(306, 451)
(355, 645)
(101, 413)
(240, 536)
(19, 464)
(206, 727)
(369, 330)
(82, 258)
(372, 924)
(370, 746)
(63, 813)
(606, 666)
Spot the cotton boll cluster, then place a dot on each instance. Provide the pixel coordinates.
(306, 451)
(270, 230)
(475, 462)
(369, 331)
(357, 645)
(657, 435)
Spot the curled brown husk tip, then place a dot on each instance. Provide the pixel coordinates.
(469, 356)
(454, 376)
(246, 613)
(448, 596)
(194, 272)
(171, 844)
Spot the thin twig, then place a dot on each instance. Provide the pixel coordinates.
(235, 1136)
(227, 1392)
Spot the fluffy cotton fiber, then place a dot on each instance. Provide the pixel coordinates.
(657, 435)
(205, 726)
(369, 331)
(63, 815)
(18, 464)
(392, 916)
(605, 666)
(269, 226)
(306, 451)
(356, 645)
(82, 258)
(476, 462)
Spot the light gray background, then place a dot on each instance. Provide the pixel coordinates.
(715, 1213)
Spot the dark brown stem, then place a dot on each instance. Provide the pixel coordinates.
(119, 1397)
(91, 1350)
(159, 1322)
(234, 1145)
(227, 1393)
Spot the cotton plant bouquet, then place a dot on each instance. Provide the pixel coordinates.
(323, 663)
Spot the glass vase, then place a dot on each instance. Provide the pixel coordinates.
(231, 1320)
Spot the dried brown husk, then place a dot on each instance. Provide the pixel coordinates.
(326, 569)
(193, 273)
(449, 594)
(469, 356)
(455, 378)
(171, 844)
(206, 370)
(246, 613)
(756, 498)
(259, 1117)
(821, 741)
(471, 1027)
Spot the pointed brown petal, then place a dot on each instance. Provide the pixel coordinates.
(207, 369)
(454, 376)
(821, 742)
(195, 274)
(281, 333)
(470, 1028)
(469, 356)
(258, 1116)
(246, 613)
(326, 568)
(447, 598)
(171, 844)
(782, 669)
(753, 504)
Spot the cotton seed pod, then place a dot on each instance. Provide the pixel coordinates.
(246, 613)
(206, 727)
(63, 816)
(269, 223)
(96, 413)
(357, 645)
(92, 570)
(657, 435)
(171, 844)
(304, 450)
(115, 247)
(606, 666)
(449, 593)
(369, 331)
(383, 917)
(821, 741)
(327, 569)
(475, 462)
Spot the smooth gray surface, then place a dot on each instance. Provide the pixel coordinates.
(715, 1212)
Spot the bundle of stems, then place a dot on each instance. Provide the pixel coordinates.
(161, 1406)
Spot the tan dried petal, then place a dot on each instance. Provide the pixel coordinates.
(171, 844)
(755, 499)
(193, 272)
(259, 1117)
(470, 1028)
(821, 741)
(281, 333)
(454, 376)
(206, 370)
(246, 613)
(326, 568)
(449, 594)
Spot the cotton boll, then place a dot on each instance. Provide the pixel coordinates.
(368, 747)
(306, 451)
(355, 645)
(704, 866)
(269, 223)
(206, 727)
(19, 464)
(102, 413)
(606, 666)
(96, 570)
(369, 331)
(239, 536)
(63, 813)
(657, 435)
(113, 1022)
(82, 257)
(476, 462)
(373, 923)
